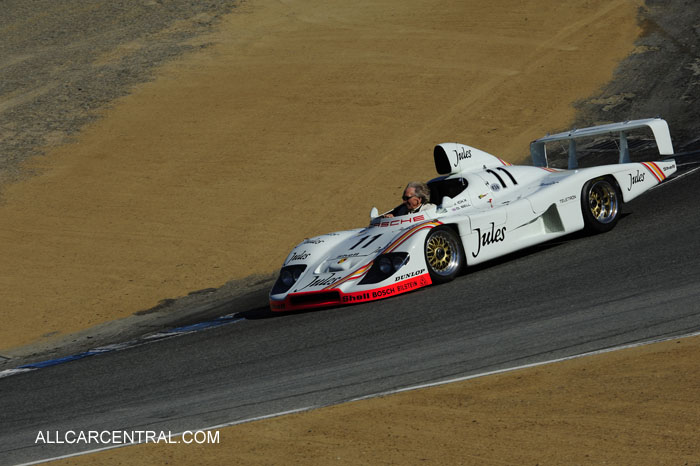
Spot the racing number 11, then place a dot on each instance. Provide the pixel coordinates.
(367, 243)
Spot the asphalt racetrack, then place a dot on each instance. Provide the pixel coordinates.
(576, 295)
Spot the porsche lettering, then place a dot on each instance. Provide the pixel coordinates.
(402, 221)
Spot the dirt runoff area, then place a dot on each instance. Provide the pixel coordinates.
(296, 119)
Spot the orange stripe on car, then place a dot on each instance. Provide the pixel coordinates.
(655, 170)
(410, 233)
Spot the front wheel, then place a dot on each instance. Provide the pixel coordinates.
(443, 254)
(601, 204)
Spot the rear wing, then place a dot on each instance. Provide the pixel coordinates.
(659, 127)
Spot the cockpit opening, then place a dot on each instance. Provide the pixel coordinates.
(443, 186)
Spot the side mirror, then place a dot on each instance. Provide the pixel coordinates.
(374, 213)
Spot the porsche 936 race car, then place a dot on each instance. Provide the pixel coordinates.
(485, 208)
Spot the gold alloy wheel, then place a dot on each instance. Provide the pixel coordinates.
(442, 253)
(602, 201)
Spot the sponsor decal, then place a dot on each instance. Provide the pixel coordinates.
(313, 241)
(481, 196)
(391, 290)
(409, 275)
(299, 256)
(496, 235)
(549, 183)
(461, 204)
(356, 297)
(670, 167)
(495, 187)
(638, 178)
(567, 199)
(398, 221)
(345, 257)
(277, 305)
(462, 154)
(321, 281)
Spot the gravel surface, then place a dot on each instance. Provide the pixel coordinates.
(62, 61)
(662, 77)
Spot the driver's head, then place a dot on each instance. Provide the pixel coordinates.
(415, 194)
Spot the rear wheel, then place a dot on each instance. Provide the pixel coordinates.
(443, 254)
(601, 204)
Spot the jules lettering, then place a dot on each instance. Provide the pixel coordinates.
(495, 235)
(634, 179)
(462, 154)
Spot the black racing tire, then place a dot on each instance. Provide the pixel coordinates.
(601, 204)
(444, 254)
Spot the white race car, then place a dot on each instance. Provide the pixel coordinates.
(486, 208)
